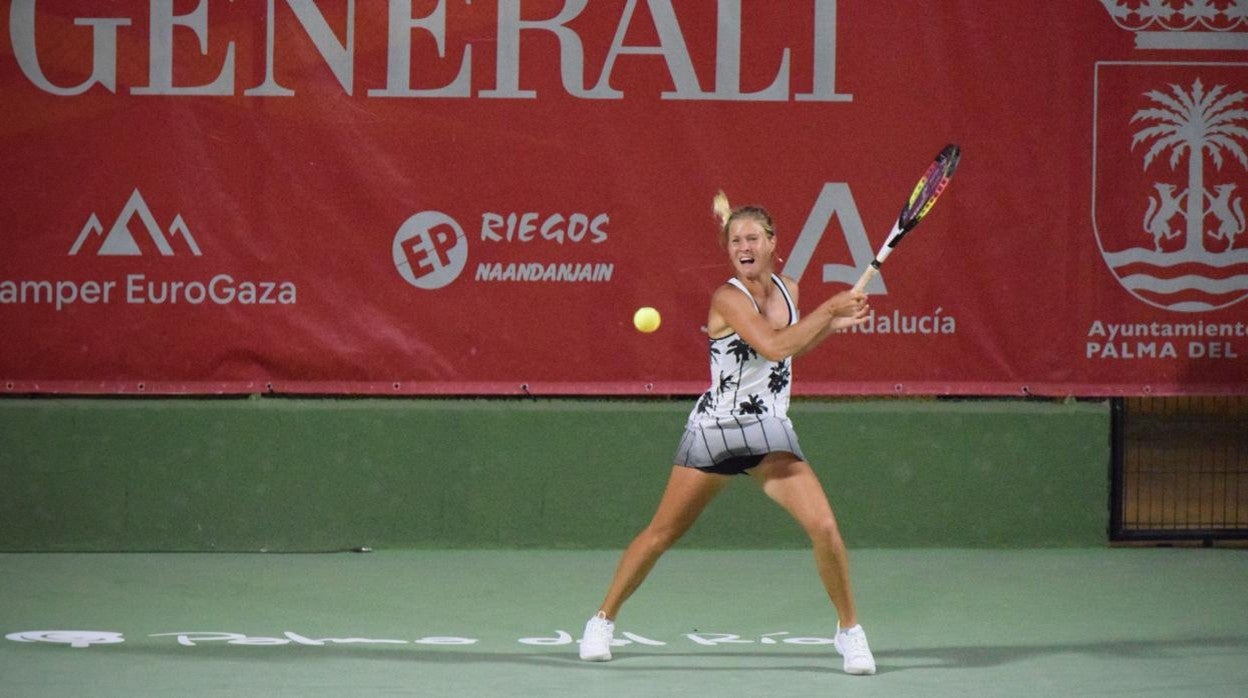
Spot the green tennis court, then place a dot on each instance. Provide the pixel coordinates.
(728, 623)
(977, 530)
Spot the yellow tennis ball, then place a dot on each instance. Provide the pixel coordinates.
(646, 319)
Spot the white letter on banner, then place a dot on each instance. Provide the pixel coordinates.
(160, 72)
(104, 45)
(728, 60)
(571, 54)
(834, 200)
(671, 47)
(823, 87)
(399, 56)
(337, 56)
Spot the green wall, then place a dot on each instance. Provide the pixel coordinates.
(285, 474)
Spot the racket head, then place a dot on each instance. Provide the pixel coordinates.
(929, 188)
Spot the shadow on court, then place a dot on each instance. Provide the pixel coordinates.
(945, 657)
(983, 657)
(889, 660)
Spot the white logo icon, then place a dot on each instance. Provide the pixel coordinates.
(835, 199)
(73, 638)
(120, 241)
(1185, 251)
(430, 250)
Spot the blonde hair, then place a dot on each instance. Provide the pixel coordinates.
(726, 215)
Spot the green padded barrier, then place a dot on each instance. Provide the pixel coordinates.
(303, 474)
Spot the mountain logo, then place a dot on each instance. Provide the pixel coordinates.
(120, 240)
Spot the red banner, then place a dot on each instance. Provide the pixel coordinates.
(452, 197)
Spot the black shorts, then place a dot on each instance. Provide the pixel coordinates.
(733, 465)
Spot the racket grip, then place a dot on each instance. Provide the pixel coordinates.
(866, 277)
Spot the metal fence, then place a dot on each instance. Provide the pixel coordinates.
(1180, 469)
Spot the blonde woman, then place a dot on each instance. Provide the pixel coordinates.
(740, 426)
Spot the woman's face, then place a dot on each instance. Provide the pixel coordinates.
(750, 248)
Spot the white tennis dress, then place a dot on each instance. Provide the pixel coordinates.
(744, 414)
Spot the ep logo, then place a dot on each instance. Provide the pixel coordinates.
(430, 250)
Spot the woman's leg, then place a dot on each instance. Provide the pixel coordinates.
(688, 492)
(793, 485)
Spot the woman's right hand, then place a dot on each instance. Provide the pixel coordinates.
(848, 308)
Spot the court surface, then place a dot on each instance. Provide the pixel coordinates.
(1081, 622)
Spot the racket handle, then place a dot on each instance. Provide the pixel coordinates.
(872, 270)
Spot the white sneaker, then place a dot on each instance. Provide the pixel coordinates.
(852, 645)
(596, 641)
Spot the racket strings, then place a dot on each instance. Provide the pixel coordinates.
(930, 187)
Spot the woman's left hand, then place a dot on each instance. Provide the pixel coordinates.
(859, 314)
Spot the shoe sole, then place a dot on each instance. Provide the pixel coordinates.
(847, 670)
(866, 672)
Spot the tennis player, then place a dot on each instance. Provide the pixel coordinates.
(740, 425)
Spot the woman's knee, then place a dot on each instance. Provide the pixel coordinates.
(660, 538)
(823, 530)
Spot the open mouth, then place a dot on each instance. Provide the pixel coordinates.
(745, 261)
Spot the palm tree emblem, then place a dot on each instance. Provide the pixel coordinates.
(1196, 124)
(1187, 254)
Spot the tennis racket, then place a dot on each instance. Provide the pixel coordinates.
(921, 200)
